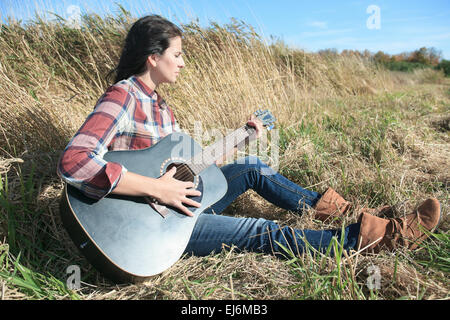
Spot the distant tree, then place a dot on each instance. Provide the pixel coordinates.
(367, 54)
(398, 57)
(381, 57)
(445, 66)
(434, 56)
(418, 56)
(346, 52)
(428, 56)
(330, 52)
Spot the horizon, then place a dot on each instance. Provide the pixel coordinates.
(393, 28)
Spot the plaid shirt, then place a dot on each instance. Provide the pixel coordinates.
(129, 115)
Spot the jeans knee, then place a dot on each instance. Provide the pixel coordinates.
(252, 161)
(266, 227)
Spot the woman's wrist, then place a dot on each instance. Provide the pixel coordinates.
(133, 184)
(154, 188)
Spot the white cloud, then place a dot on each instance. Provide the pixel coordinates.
(318, 24)
(309, 34)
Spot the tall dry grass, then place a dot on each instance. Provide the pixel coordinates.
(59, 72)
(375, 136)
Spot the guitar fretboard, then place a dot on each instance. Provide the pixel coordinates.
(218, 149)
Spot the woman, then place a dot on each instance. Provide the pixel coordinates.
(132, 115)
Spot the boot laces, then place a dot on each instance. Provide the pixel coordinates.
(406, 229)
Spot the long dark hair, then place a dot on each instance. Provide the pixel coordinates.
(148, 35)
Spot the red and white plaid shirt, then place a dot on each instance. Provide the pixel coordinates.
(129, 115)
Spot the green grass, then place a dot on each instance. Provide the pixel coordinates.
(31, 284)
(30, 246)
(436, 253)
(325, 275)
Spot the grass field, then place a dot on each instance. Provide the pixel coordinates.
(377, 137)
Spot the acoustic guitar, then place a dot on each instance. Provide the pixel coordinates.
(129, 239)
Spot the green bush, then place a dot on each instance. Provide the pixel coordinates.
(404, 66)
(444, 65)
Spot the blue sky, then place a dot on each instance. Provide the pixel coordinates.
(393, 26)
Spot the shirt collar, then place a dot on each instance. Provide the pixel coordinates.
(142, 86)
(153, 94)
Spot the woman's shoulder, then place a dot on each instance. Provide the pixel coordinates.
(121, 92)
(123, 87)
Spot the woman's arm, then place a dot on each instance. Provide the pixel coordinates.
(81, 163)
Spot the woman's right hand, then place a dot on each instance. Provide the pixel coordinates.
(165, 189)
(175, 193)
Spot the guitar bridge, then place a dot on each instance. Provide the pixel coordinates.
(162, 210)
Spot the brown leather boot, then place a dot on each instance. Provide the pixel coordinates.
(331, 205)
(377, 233)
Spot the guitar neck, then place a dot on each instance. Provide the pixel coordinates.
(219, 148)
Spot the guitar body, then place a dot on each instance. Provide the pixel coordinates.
(124, 237)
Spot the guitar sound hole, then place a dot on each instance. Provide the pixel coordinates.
(183, 172)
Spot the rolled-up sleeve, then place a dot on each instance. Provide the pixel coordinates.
(81, 164)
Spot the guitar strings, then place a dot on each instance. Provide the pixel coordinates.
(183, 173)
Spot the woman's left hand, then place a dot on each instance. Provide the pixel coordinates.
(253, 121)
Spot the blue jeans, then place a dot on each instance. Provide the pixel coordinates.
(214, 231)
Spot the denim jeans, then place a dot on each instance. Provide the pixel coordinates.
(213, 231)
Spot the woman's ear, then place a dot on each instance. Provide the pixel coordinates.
(153, 59)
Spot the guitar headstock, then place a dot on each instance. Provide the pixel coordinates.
(266, 117)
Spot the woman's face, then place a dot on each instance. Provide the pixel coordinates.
(169, 64)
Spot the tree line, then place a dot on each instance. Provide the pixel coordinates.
(405, 61)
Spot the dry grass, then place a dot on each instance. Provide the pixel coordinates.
(375, 136)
